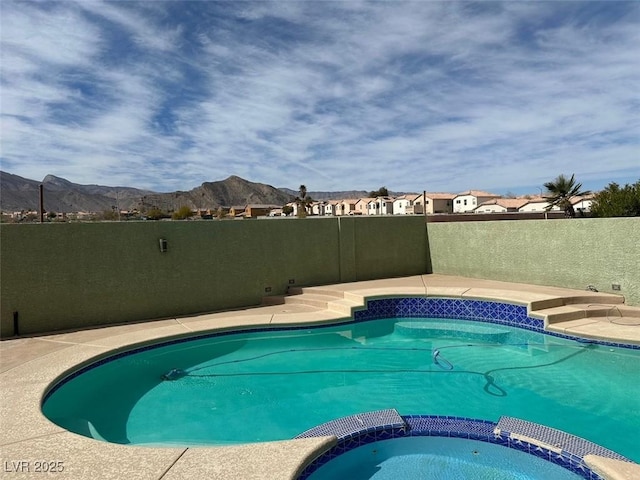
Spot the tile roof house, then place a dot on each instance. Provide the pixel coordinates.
(331, 207)
(468, 201)
(346, 206)
(380, 206)
(404, 205)
(254, 210)
(536, 204)
(317, 207)
(362, 206)
(438, 202)
(582, 204)
(501, 205)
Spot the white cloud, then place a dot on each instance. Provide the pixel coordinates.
(335, 95)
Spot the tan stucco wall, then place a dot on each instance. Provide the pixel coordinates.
(569, 253)
(61, 276)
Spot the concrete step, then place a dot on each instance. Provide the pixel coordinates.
(304, 295)
(273, 300)
(314, 300)
(594, 298)
(316, 291)
(622, 329)
(560, 314)
(576, 311)
(344, 306)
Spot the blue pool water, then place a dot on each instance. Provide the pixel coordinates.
(264, 386)
(438, 458)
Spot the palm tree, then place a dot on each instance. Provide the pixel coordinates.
(560, 191)
(303, 201)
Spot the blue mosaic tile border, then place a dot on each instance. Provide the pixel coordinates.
(407, 307)
(458, 427)
(466, 309)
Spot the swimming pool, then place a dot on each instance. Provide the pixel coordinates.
(440, 459)
(269, 385)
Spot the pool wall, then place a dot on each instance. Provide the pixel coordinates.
(76, 275)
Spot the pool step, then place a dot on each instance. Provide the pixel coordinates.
(594, 298)
(316, 291)
(421, 329)
(314, 300)
(323, 298)
(344, 306)
(626, 329)
(589, 310)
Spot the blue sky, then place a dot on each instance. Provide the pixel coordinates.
(437, 96)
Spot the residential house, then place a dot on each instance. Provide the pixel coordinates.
(362, 206)
(296, 207)
(346, 207)
(582, 205)
(222, 212)
(258, 210)
(501, 205)
(381, 206)
(317, 208)
(330, 207)
(237, 211)
(405, 204)
(537, 204)
(437, 202)
(468, 201)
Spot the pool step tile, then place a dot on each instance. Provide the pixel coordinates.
(551, 438)
(358, 424)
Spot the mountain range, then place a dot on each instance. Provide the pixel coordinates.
(62, 196)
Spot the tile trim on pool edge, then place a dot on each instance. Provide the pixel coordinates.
(501, 313)
(490, 311)
(452, 427)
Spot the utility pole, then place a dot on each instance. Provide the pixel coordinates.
(424, 205)
(41, 203)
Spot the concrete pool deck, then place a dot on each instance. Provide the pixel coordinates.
(28, 365)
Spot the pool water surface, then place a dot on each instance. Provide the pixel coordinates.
(273, 385)
(438, 458)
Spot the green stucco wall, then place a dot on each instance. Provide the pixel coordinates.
(63, 276)
(565, 253)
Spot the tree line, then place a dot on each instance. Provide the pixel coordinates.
(612, 201)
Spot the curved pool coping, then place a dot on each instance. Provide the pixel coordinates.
(35, 363)
(549, 444)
